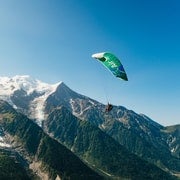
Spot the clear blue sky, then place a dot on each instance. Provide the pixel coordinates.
(53, 40)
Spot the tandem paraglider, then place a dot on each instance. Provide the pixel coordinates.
(109, 107)
(113, 64)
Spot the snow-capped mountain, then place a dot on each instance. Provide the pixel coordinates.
(26, 94)
(138, 133)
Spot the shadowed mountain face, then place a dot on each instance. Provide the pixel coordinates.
(44, 155)
(10, 168)
(99, 149)
(49, 159)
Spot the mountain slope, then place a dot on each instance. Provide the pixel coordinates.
(138, 133)
(99, 149)
(173, 139)
(144, 139)
(45, 156)
(11, 169)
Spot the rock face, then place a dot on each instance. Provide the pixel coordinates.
(172, 134)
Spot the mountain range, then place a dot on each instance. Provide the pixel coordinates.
(61, 134)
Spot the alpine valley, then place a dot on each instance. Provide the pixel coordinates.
(51, 132)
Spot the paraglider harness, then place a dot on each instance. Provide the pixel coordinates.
(109, 107)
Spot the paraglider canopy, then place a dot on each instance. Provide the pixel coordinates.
(112, 63)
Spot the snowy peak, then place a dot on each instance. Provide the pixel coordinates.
(73, 101)
(25, 82)
(26, 94)
(65, 91)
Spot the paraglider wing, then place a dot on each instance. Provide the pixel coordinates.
(112, 63)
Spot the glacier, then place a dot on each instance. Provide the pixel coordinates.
(8, 85)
